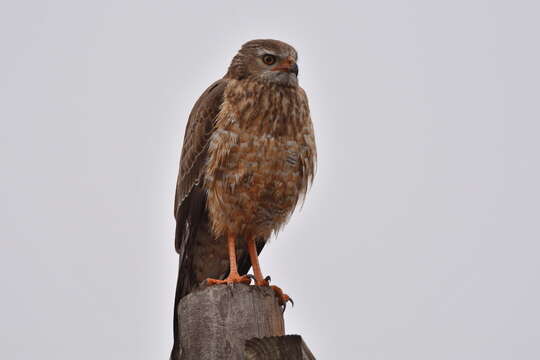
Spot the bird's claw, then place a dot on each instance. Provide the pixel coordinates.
(283, 303)
(282, 297)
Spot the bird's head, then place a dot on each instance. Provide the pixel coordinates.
(267, 60)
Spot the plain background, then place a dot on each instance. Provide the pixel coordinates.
(419, 239)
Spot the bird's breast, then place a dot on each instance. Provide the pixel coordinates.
(260, 159)
(253, 181)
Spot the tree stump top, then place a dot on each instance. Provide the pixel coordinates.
(215, 322)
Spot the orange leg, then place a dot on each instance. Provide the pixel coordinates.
(259, 280)
(254, 257)
(233, 277)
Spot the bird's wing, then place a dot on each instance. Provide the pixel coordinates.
(187, 203)
(194, 150)
(190, 200)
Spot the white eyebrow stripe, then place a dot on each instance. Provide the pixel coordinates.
(266, 51)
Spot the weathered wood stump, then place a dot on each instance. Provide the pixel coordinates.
(288, 347)
(216, 321)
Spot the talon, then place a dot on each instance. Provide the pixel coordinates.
(268, 278)
(282, 297)
(284, 305)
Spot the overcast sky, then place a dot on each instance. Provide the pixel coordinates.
(419, 239)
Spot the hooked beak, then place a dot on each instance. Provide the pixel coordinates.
(287, 65)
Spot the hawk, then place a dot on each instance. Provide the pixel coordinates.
(248, 157)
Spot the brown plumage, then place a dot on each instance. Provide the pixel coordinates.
(248, 157)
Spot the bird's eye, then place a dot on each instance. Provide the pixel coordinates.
(269, 59)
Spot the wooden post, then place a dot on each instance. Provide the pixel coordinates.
(216, 321)
(277, 348)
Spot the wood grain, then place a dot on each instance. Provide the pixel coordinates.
(288, 347)
(216, 321)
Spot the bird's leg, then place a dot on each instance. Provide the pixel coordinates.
(233, 277)
(259, 280)
(254, 258)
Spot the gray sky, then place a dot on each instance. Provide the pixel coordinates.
(419, 239)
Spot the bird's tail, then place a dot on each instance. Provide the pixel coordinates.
(185, 280)
(177, 296)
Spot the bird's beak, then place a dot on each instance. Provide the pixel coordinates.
(287, 65)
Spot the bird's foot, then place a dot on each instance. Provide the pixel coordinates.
(233, 278)
(282, 297)
(263, 282)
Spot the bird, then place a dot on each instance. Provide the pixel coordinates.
(247, 160)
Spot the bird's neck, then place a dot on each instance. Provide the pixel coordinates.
(263, 108)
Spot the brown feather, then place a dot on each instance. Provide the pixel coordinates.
(261, 158)
(198, 131)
